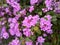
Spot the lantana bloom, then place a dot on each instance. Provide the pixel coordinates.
(30, 20)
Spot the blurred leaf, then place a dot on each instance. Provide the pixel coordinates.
(21, 38)
(47, 43)
(40, 13)
(27, 39)
(54, 39)
(23, 42)
(36, 29)
(33, 38)
(58, 15)
(5, 5)
(51, 13)
(54, 19)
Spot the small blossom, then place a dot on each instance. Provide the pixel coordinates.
(57, 7)
(27, 32)
(32, 2)
(14, 27)
(23, 12)
(29, 43)
(4, 34)
(44, 35)
(45, 23)
(31, 9)
(49, 4)
(40, 39)
(30, 20)
(14, 42)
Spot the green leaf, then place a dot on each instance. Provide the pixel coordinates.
(5, 5)
(37, 30)
(33, 37)
(54, 19)
(47, 43)
(27, 39)
(40, 13)
(23, 42)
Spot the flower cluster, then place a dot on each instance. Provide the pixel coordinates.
(57, 8)
(29, 42)
(27, 32)
(14, 29)
(48, 4)
(27, 22)
(4, 34)
(40, 40)
(14, 42)
(45, 24)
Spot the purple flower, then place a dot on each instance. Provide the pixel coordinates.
(30, 20)
(45, 23)
(27, 32)
(15, 30)
(57, 7)
(44, 35)
(45, 10)
(15, 5)
(14, 42)
(49, 4)
(32, 2)
(1, 11)
(14, 27)
(11, 32)
(31, 9)
(37, 43)
(11, 1)
(29, 43)
(10, 20)
(48, 17)
(23, 12)
(7, 10)
(4, 34)
(49, 31)
(40, 39)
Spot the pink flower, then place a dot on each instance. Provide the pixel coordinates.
(45, 10)
(14, 42)
(23, 12)
(4, 34)
(27, 32)
(48, 4)
(29, 43)
(30, 20)
(31, 9)
(45, 23)
(14, 27)
(40, 39)
(32, 2)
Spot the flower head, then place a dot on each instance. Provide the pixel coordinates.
(30, 20)
(40, 39)
(27, 32)
(14, 42)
